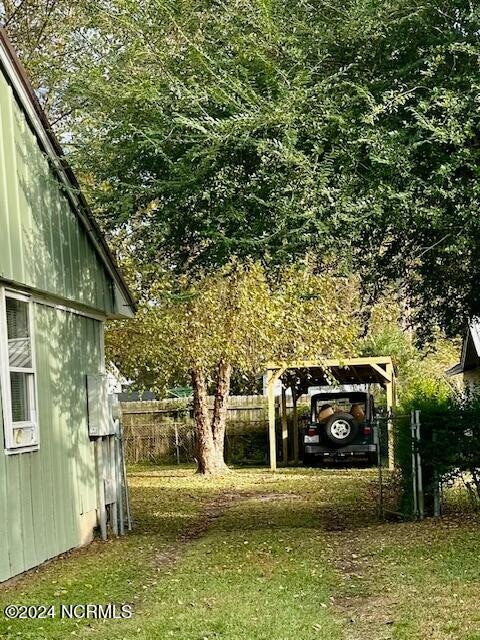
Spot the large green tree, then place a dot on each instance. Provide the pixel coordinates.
(200, 133)
(233, 318)
(48, 35)
(264, 128)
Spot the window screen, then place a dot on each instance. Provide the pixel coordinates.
(19, 347)
(19, 381)
(19, 387)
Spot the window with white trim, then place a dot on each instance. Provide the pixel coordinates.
(18, 380)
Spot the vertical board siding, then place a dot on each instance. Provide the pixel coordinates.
(39, 523)
(44, 493)
(9, 167)
(39, 245)
(4, 555)
(12, 509)
(5, 247)
(47, 445)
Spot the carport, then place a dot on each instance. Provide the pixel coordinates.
(300, 375)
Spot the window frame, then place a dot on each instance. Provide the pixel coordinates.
(5, 370)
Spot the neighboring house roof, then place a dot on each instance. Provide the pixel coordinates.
(136, 396)
(49, 144)
(470, 358)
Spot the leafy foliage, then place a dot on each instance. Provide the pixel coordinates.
(47, 35)
(238, 316)
(262, 129)
(421, 378)
(450, 442)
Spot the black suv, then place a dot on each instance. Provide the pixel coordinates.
(341, 425)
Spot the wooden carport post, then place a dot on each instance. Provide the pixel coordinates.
(284, 426)
(272, 376)
(390, 389)
(295, 425)
(389, 376)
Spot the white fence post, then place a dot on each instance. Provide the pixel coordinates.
(421, 505)
(414, 463)
(177, 444)
(437, 503)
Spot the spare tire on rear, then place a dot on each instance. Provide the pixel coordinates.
(341, 429)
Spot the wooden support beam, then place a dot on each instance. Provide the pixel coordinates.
(271, 424)
(384, 372)
(295, 426)
(272, 376)
(339, 362)
(284, 427)
(390, 389)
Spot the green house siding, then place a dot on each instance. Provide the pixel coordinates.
(44, 493)
(43, 245)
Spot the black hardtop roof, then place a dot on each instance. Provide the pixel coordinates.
(331, 395)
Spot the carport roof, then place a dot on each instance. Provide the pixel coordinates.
(369, 370)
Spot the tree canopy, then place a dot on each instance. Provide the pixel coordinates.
(238, 316)
(265, 129)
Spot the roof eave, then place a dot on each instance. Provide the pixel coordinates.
(51, 146)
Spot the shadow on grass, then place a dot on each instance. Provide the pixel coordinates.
(291, 514)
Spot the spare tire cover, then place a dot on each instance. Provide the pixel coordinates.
(341, 429)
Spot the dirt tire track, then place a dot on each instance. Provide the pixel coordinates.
(212, 510)
(366, 615)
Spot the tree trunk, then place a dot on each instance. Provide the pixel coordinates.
(219, 420)
(206, 457)
(211, 433)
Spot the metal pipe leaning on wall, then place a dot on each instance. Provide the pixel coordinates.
(112, 486)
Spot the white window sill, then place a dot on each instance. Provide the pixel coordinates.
(11, 452)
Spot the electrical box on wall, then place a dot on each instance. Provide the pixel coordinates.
(99, 422)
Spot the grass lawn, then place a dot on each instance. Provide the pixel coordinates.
(299, 554)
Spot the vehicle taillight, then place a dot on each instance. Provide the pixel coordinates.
(367, 430)
(312, 431)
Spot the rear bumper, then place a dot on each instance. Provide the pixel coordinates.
(350, 450)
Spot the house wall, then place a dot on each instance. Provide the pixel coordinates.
(43, 245)
(48, 497)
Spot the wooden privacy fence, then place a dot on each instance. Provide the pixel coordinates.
(163, 431)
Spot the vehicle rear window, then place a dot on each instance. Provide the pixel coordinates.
(323, 409)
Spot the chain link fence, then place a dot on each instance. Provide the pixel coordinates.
(437, 464)
(164, 443)
(162, 432)
(174, 442)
